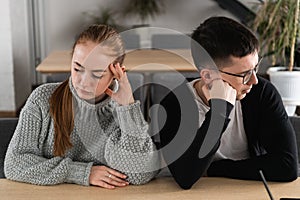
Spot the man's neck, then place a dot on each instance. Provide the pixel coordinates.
(198, 87)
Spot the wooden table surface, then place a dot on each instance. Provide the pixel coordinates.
(163, 188)
(136, 60)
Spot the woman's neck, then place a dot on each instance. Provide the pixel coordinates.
(98, 99)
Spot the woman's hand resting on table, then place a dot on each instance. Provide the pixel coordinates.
(106, 177)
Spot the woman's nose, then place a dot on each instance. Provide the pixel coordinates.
(86, 81)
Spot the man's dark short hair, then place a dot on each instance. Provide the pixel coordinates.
(221, 37)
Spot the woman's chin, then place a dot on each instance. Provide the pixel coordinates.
(92, 98)
(86, 96)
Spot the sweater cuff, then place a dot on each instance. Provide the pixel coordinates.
(221, 106)
(131, 119)
(79, 173)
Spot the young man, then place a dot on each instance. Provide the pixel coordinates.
(242, 124)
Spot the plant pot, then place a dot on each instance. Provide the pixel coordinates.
(288, 86)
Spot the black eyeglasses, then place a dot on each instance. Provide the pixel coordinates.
(247, 75)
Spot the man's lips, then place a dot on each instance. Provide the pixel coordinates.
(247, 91)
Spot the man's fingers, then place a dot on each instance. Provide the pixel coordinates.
(209, 85)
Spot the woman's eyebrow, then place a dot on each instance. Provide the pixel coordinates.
(96, 70)
(78, 64)
(99, 70)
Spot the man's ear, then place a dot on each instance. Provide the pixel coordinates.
(206, 75)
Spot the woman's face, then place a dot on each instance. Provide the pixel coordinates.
(90, 73)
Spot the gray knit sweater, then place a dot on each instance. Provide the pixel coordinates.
(104, 134)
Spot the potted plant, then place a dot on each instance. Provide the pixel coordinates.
(277, 24)
(144, 9)
(104, 16)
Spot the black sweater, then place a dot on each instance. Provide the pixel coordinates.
(188, 150)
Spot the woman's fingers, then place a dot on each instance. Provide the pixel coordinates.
(124, 94)
(116, 173)
(104, 185)
(115, 178)
(117, 70)
(112, 180)
(107, 178)
(113, 70)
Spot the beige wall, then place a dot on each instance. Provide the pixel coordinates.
(64, 18)
(60, 21)
(7, 95)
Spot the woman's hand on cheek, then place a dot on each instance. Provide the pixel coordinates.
(124, 94)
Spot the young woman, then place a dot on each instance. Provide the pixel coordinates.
(87, 130)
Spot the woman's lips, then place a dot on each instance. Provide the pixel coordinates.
(84, 91)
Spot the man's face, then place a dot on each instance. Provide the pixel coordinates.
(239, 68)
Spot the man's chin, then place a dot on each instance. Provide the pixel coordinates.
(241, 96)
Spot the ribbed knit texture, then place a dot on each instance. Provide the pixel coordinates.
(104, 134)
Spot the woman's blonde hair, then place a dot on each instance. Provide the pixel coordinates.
(61, 104)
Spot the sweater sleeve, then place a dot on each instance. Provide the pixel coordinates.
(271, 140)
(192, 146)
(130, 148)
(25, 160)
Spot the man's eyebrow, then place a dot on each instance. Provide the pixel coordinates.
(257, 65)
(245, 71)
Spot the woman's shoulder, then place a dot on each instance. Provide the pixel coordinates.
(42, 93)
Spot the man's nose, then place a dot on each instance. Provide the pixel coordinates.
(253, 80)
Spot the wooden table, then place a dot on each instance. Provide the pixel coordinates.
(136, 60)
(161, 188)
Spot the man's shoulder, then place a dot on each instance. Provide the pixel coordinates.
(263, 85)
(264, 91)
